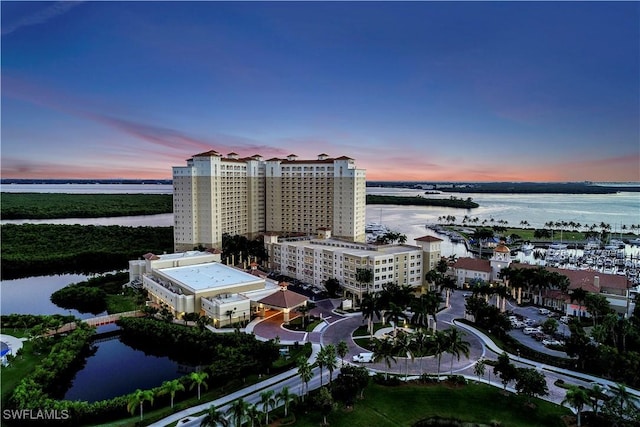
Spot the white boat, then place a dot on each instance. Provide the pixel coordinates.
(635, 241)
(556, 245)
(527, 247)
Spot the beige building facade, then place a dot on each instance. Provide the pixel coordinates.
(315, 261)
(214, 195)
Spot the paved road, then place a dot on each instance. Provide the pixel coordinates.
(338, 327)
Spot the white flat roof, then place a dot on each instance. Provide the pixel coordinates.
(179, 255)
(208, 276)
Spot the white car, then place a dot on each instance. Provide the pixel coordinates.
(551, 342)
(564, 319)
(529, 330)
(543, 311)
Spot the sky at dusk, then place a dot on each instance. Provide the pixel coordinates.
(432, 91)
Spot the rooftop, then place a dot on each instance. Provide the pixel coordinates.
(208, 276)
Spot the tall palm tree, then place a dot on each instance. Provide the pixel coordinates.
(404, 347)
(384, 350)
(396, 313)
(320, 361)
(305, 372)
(576, 398)
(370, 306)
(255, 415)
(502, 292)
(622, 397)
(420, 344)
(238, 411)
(425, 306)
(364, 276)
(330, 361)
(213, 417)
(286, 397)
(456, 345)
(137, 398)
(197, 379)
(304, 311)
(171, 387)
(342, 349)
(579, 295)
(439, 341)
(267, 400)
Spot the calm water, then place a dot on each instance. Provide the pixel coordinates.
(31, 295)
(136, 370)
(116, 369)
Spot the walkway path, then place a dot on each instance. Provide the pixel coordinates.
(339, 327)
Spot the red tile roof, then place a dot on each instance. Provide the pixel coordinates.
(428, 239)
(284, 298)
(473, 264)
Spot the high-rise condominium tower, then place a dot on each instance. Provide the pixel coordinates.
(213, 195)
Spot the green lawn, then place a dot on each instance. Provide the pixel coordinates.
(18, 368)
(407, 404)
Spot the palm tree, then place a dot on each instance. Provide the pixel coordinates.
(286, 397)
(384, 349)
(213, 417)
(425, 306)
(439, 341)
(370, 306)
(238, 411)
(420, 342)
(267, 400)
(137, 398)
(404, 347)
(396, 313)
(197, 378)
(342, 349)
(320, 361)
(330, 360)
(171, 387)
(622, 397)
(304, 310)
(305, 372)
(576, 398)
(456, 345)
(229, 313)
(254, 414)
(364, 276)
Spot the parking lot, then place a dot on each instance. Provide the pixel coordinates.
(534, 340)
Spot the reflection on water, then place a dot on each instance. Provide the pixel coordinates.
(31, 295)
(116, 369)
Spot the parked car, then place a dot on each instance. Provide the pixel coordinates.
(564, 319)
(529, 322)
(529, 330)
(544, 311)
(538, 336)
(363, 358)
(551, 341)
(516, 324)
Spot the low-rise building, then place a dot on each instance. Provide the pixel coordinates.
(315, 261)
(195, 282)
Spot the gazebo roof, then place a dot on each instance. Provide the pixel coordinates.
(284, 298)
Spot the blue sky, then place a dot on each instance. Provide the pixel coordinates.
(483, 91)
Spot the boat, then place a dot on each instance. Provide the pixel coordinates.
(558, 246)
(527, 247)
(635, 242)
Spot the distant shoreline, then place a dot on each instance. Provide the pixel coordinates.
(428, 186)
(513, 187)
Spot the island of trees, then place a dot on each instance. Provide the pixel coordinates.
(451, 202)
